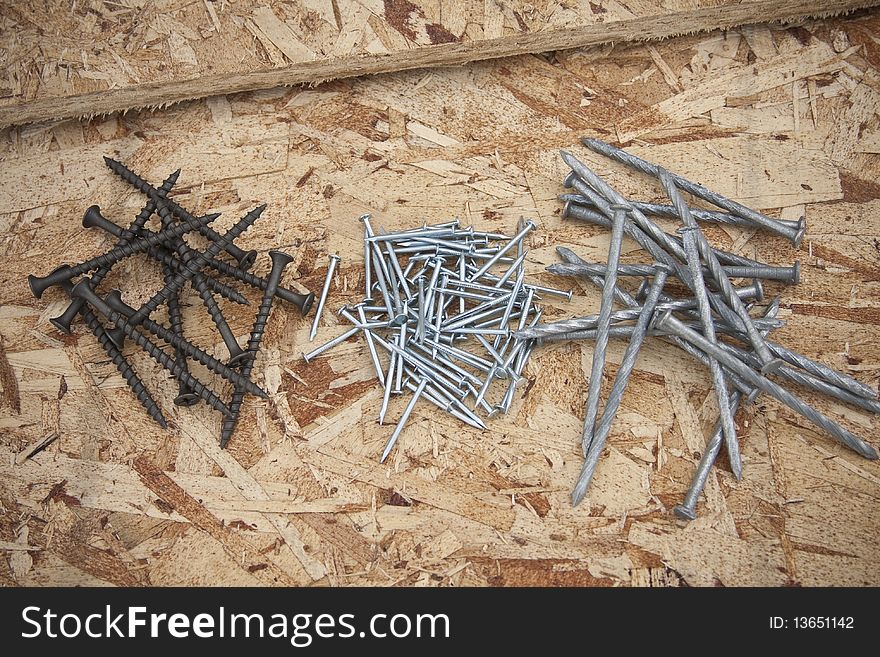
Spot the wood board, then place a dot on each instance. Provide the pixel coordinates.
(101, 57)
(115, 500)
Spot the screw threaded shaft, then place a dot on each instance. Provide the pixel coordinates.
(39, 285)
(302, 301)
(160, 253)
(187, 256)
(123, 366)
(245, 258)
(125, 369)
(125, 235)
(131, 233)
(114, 301)
(279, 262)
(192, 267)
(140, 245)
(153, 350)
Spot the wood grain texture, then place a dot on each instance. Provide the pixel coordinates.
(299, 496)
(103, 57)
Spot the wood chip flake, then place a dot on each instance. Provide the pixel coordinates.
(281, 35)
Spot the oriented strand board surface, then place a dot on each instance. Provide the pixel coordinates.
(66, 60)
(299, 496)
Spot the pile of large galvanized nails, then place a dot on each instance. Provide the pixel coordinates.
(713, 307)
(445, 321)
(181, 264)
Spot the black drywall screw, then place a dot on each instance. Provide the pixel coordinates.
(122, 365)
(63, 321)
(82, 289)
(279, 261)
(187, 271)
(245, 258)
(186, 256)
(185, 395)
(94, 219)
(302, 301)
(39, 284)
(116, 304)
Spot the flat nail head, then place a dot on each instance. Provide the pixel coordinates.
(683, 513)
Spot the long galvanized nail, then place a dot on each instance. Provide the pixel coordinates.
(709, 216)
(693, 253)
(687, 509)
(627, 364)
(667, 322)
(606, 307)
(795, 235)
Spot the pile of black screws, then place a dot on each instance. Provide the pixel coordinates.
(740, 366)
(444, 320)
(180, 264)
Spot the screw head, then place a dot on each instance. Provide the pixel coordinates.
(186, 399)
(307, 304)
(61, 323)
(247, 260)
(240, 359)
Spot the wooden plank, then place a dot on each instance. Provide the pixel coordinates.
(157, 59)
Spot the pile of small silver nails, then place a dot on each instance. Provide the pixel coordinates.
(715, 307)
(434, 306)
